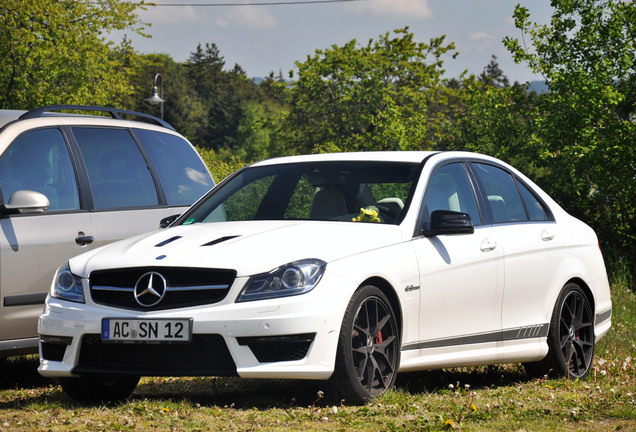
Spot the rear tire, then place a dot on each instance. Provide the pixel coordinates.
(99, 388)
(570, 339)
(368, 354)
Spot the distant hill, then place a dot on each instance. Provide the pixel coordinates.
(535, 86)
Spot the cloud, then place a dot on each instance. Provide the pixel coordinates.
(176, 15)
(480, 36)
(414, 9)
(482, 41)
(197, 176)
(253, 17)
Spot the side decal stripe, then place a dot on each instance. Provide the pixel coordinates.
(601, 317)
(536, 331)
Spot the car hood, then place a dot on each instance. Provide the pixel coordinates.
(248, 247)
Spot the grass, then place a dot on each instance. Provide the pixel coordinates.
(496, 398)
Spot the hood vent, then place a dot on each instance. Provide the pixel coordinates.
(219, 240)
(165, 242)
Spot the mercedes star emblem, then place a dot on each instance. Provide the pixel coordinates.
(150, 289)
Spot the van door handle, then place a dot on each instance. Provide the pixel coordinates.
(83, 240)
(547, 235)
(487, 245)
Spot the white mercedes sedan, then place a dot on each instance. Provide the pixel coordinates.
(341, 267)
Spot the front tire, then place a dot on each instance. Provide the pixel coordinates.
(571, 337)
(99, 388)
(368, 354)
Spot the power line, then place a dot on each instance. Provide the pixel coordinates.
(265, 3)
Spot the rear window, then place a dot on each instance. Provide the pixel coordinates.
(183, 176)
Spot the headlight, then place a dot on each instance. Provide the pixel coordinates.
(67, 286)
(292, 279)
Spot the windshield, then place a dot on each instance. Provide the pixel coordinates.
(348, 191)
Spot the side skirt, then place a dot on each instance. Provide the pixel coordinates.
(508, 346)
(18, 347)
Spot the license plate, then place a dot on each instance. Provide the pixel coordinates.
(162, 330)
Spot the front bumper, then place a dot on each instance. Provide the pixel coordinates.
(293, 337)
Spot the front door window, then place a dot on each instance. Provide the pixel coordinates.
(39, 161)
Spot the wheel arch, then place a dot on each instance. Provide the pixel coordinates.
(555, 292)
(586, 289)
(389, 291)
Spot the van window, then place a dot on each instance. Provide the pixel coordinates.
(39, 161)
(184, 178)
(117, 171)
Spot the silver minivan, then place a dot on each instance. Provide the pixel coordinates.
(73, 178)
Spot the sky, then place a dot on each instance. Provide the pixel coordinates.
(265, 38)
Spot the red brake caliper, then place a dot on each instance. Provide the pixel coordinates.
(576, 334)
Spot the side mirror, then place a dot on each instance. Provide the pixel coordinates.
(449, 222)
(167, 221)
(27, 201)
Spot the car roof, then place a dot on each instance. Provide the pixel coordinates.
(379, 156)
(80, 111)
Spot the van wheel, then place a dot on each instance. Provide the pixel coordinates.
(368, 353)
(99, 388)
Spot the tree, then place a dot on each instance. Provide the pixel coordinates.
(488, 115)
(56, 51)
(256, 133)
(493, 75)
(354, 97)
(586, 126)
(494, 121)
(204, 69)
(222, 94)
(130, 66)
(183, 108)
(225, 111)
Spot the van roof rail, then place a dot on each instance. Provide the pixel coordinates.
(115, 113)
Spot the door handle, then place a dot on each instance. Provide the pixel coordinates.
(547, 235)
(487, 245)
(83, 240)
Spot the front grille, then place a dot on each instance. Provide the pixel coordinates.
(206, 355)
(185, 287)
(269, 349)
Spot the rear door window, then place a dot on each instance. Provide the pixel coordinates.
(502, 193)
(118, 173)
(536, 210)
(183, 176)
